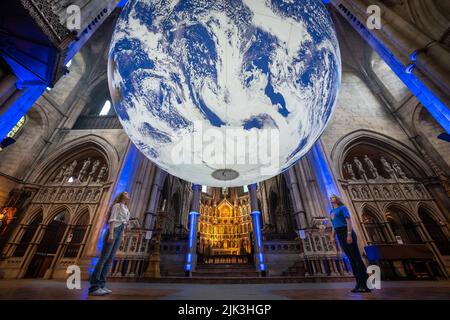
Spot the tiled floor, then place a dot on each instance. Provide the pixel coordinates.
(57, 290)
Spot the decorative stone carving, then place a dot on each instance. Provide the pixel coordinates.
(60, 175)
(69, 170)
(386, 192)
(96, 195)
(397, 192)
(359, 166)
(94, 168)
(419, 191)
(355, 193)
(62, 195)
(349, 169)
(371, 166)
(87, 197)
(377, 193)
(365, 192)
(387, 167)
(84, 169)
(101, 174)
(70, 195)
(408, 192)
(43, 195)
(398, 171)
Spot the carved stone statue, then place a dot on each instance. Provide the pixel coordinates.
(371, 166)
(359, 166)
(70, 169)
(398, 171)
(387, 167)
(397, 192)
(84, 169)
(386, 192)
(349, 168)
(94, 168)
(60, 175)
(365, 193)
(101, 174)
(408, 192)
(355, 193)
(377, 193)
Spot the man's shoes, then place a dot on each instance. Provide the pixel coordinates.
(98, 292)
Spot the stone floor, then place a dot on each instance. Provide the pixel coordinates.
(57, 290)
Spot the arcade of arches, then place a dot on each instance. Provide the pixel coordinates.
(379, 152)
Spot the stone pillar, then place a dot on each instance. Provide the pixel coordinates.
(191, 256)
(154, 263)
(256, 218)
(150, 214)
(297, 203)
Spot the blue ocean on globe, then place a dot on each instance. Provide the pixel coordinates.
(189, 78)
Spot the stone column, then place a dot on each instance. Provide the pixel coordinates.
(150, 214)
(154, 263)
(297, 203)
(256, 218)
(191, 256)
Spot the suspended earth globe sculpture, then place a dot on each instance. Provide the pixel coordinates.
(224, 92)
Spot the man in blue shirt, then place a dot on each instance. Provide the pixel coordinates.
(342, 226)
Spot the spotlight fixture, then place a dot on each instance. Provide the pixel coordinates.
(444, 136)
(6, 143)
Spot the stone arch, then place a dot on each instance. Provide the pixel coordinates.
(67, 151)
(27, 233)
(79, 232)
(431, 210)
(403, 224)
(379, 141)
(373, 222)
(57, 210)
(80, 212)
(32, 214)
(49, 244)
(436, 228)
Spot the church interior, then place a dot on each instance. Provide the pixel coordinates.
(65, 157)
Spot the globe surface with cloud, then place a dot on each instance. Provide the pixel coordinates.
(224, 92)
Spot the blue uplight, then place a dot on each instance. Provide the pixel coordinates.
(439, 111)
(122, 3)
(258, 237)
(19, 108)
(323, 174)
(192, 232)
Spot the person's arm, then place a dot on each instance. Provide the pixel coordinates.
(349, 225)
(112, 220)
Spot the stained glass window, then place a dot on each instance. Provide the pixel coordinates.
(17, 128)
